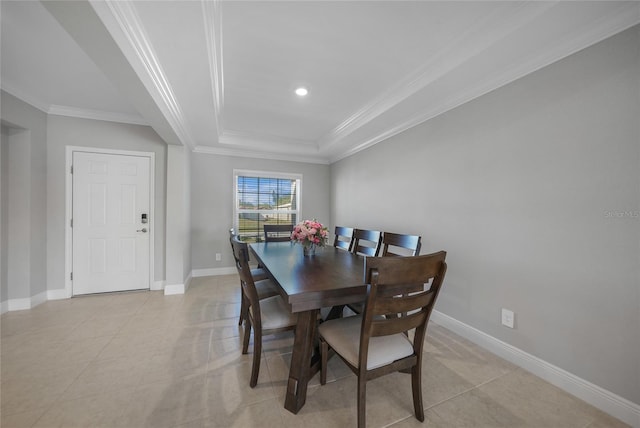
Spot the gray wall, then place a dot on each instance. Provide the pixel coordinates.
(179, 216)
(26, 199)
(533, 190)
(66, 131)
(212, 200)
(4, 204)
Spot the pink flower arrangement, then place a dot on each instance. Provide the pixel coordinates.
(309, 232)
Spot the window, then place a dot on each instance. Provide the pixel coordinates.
(264, 198)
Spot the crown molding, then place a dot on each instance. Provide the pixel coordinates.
(212, 15)
(23, 96)
(96, 115)
(258, 141)
(468, 44)
(153, 77)
(82, 113)
(624, 17)
(256, 154)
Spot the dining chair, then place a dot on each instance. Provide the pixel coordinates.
(265, 289)
(265, 316)
(372, 239)
(343, 237)
(374, 344)
(277, 232)
(396, 244)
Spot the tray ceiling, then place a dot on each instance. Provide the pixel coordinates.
(219, 76)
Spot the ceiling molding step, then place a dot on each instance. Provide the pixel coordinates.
(23, 96)
(212, 15)
(155, 79)
(96, 115)
(257, 141)
(476, 39)
(222, 151)
(619, 20)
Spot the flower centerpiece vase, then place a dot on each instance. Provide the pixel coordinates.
(310, 234)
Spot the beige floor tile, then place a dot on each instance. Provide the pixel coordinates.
(140, 345)
(186, 361)
(101, 410)
(167, 404)
(334, 405)
(263, 414)
(227, 388)
(22, 420)
(98, 327)
(143, 359)
(22, 396)
(538, 403)
(102, 376)
(227, 352)
(469, 361)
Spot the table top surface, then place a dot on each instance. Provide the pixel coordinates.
(331, 277)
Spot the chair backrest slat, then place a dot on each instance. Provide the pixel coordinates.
(397, 325)
(343, 237)
(396, 305)
(372, 237)
(277, 232)
(391, 242)
(241, 254)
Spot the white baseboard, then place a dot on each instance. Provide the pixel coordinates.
(19, 304)
(58, 294)
(213, 271)
(598, 397)
(157, 285)
(4, 307)
(171, 289)
(27, 302)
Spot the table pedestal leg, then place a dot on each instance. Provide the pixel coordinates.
(301, 370)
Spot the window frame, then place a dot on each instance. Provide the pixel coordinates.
(268, 175)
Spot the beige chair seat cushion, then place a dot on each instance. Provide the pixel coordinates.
(275, 314)
(343, 335)
(266, 288)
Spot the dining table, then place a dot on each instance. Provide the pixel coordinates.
(330, 278)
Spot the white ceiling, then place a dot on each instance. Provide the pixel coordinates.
(219, 76)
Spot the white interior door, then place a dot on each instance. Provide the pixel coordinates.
(111, 228)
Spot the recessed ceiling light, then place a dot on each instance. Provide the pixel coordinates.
(301, 92)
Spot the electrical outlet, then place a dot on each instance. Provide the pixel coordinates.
(218, 257)
(508, 318)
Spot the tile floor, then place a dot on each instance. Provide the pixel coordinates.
(143, 359)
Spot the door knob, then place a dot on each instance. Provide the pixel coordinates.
(143, 230)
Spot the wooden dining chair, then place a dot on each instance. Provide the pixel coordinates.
(343, 237)
(396, 244)
(265, 316)
(265, 289)
(374, 344)
(372, 239)
(277, 232)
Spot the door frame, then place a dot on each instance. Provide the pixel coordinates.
(68, 241)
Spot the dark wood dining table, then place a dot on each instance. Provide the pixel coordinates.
(332, 277)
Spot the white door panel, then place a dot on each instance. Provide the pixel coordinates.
(110, 243)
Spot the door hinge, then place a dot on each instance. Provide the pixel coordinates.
(71, 169)
(71, 222)
(71, 276)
